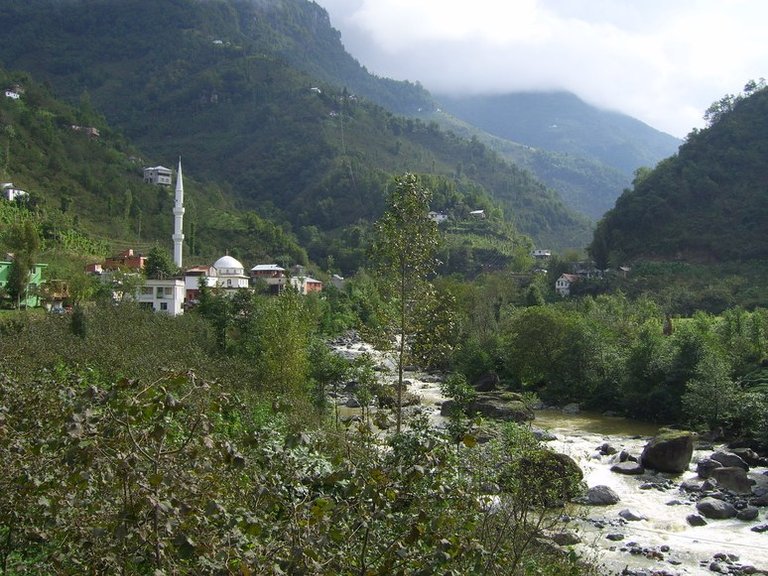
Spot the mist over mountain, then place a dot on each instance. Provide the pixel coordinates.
(587, 154)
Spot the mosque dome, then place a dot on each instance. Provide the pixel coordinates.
(228, 265)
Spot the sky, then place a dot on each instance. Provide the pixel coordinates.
(661, 61)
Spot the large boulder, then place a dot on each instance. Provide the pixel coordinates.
(505, 406)
(733, 478)
(715, 509)
(488, 382)
(544, 477)
(670, 451)
(705, 466)
(601, 495)
(729, 459)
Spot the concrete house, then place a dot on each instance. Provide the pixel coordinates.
(564, 283)
(34, 282)
(165, 295)
(271, 274)
(158, 175)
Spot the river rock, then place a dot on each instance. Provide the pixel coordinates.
(715, 509)
(749, 456)
(543, 435)
(628, 468)
(602, 495)
(748, 514)
(695, 520)
(733, 479)
(488, 382)
(505, 406)
(566, 538)
(572, 408)
(606, 449)
(668, 452)
(705, 466)
(627, 514)
(729, 459)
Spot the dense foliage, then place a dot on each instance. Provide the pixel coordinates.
(707, 203)
(136, 445)
(222, 90)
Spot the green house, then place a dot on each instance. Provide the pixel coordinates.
(35, 281)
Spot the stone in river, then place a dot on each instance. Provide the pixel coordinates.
(627, 514)
(601, 495)
(629, 468)
(729, 459)
(748, 514)
(733, 478)
(670, 451)
(695, 520)
(715, 509)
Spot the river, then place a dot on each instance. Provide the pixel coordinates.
(664, 541)
(661, 544)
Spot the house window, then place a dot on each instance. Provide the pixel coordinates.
(168, 291)
(159, 292)
(164, 306)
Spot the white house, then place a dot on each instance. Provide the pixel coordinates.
(195, 277)
(12, 94)
(540, 254)
(230, 274)
(11, 193)
(564, 283)
(306, 285)
(165, 296)
(438, 217)
(159, 175)
(477, 214)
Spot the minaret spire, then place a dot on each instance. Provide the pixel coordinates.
(178, 218)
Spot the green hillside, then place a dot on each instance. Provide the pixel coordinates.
(214, 81)
(709, 203)
(86, 189)
(585, 153)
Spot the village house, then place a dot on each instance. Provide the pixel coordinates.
(195, 278)
(89, 131)
(479, 214)
(166, 295)
(539, 254)
(438, 217)
(158, 175)
(11, 193)
(564, 283)
(271, 274)
(34, 282)
(125, 260)
(12, 94)
(306, 284)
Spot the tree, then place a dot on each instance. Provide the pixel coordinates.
(404, 252)
(24, 241)
(159, 264)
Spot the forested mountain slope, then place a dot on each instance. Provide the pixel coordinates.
(708, 203)
(587, 154)
(213, 80)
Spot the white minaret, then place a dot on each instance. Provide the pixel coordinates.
(178, 218)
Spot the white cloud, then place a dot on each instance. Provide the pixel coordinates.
(662, 62)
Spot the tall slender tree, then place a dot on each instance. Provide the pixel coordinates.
(24, 241)
(404, 253)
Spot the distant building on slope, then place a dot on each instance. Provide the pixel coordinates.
(158, 175)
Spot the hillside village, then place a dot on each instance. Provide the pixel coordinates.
(125, 272)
